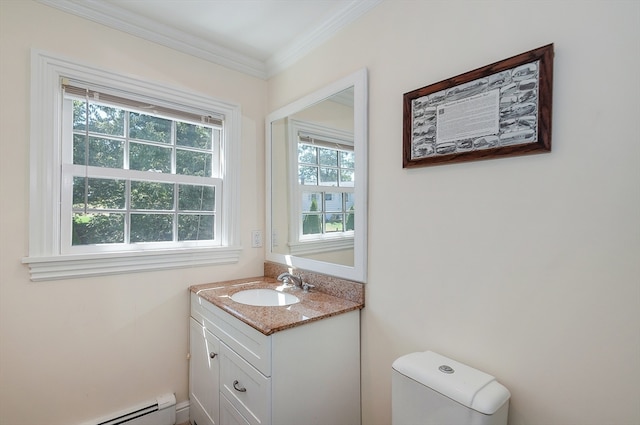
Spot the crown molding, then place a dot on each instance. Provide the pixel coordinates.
(318, 35)
(119, 19)
(114, 17)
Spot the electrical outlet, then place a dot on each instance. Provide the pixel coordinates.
(256, 239)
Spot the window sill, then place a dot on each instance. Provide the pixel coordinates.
(319, 246)
(86, 265)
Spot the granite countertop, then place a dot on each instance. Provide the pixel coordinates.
(314, 305)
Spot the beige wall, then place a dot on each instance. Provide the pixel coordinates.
(527, 268)
(77, 349)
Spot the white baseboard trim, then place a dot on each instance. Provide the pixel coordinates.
(182, 412)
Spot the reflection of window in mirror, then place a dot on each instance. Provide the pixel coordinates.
(323, 160)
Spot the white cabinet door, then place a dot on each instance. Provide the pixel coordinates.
(204, 374)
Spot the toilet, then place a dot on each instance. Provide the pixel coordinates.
(430, 389)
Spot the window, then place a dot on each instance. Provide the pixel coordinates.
(325, 166)
(127, 175)
(135, 177)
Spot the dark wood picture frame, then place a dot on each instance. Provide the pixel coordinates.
(510, 103)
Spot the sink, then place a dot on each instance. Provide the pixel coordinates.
(264, 297)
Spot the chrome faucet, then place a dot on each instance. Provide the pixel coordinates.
(287, 277)
(297, 281)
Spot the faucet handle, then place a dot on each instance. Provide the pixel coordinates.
(306, 286)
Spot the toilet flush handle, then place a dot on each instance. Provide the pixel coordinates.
(446, 369)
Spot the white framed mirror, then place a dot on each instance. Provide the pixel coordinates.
(316, 176)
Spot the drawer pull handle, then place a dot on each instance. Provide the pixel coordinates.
(212, 355)
(237, 388)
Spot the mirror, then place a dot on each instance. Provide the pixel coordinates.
(317, 181)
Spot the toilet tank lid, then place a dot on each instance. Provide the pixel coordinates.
(468, 386)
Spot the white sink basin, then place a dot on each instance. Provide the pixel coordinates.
(264, 297)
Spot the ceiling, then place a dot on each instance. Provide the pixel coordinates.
(257, 37)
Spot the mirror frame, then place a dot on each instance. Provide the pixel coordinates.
(358, 273)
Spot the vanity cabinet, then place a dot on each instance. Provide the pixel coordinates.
(307, 374)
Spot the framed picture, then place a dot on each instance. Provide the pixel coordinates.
(499, 110)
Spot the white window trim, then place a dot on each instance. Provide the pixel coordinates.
(298, 244)
(45, 260)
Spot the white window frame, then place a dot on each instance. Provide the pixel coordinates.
(300, 244)
(46, 259)
(71, 171)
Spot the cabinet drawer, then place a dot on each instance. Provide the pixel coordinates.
(251, 344)
(248, 390)
(229, 415)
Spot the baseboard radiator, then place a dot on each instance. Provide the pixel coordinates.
(160, 411)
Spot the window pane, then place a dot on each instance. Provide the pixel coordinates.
(92, 229)
(195, 227)
(106, 120)
(193, 163)
(346, 178)
(333, 223)
(196, 198)
(151, 227)
(79, 115)
(101, 193)
(194, 136)
(307, 154)
(308, 175)
(350, 223)
(328, 157)
(333, 202)
(151, 196)
(347, 160)
(311, 224)
(329, 176)
(149, 158)
(147, 127)
(311, 201)
(349, 199)
(107, 153)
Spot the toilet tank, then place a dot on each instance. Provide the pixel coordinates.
(431, 389)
